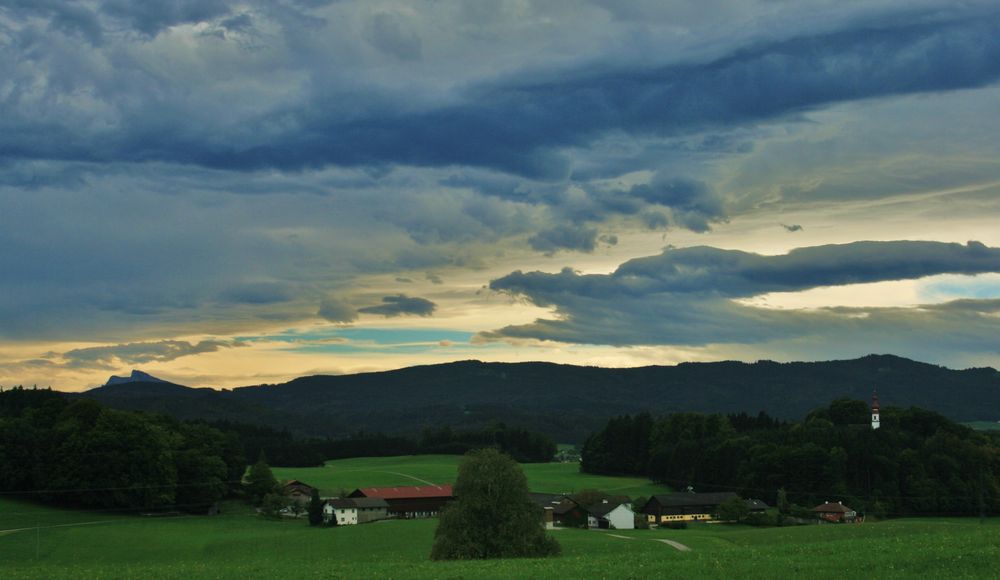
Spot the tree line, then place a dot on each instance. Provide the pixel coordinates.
(918, 462)
(77, 452)
(80, 453)
(283, 449)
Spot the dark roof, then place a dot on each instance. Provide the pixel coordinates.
(565, 506)
(404, 492)
(602, 509)
(755, 504)
(370, 502)
(830, 507)
(341, 503)
(357, 502)
(296, 484)
(693, 499)
(547, 499)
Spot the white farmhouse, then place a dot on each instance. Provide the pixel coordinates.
(616, 516)
(354, 510)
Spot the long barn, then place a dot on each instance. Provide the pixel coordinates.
(414, 501)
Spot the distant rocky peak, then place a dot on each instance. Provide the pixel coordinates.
(136, 377)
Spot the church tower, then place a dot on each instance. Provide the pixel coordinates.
(875, 420)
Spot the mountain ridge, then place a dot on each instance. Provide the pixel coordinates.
(137, 376)
(565, 401)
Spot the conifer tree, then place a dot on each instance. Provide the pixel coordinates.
(784, 508)
(315, 509)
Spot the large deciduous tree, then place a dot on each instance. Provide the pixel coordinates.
(493, 515)
(260, 481)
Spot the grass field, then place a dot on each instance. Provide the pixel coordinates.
(44, 542)
(348, 474)
(984, 425)
(237, 545)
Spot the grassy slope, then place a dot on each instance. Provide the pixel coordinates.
(238, 546)
(349, 474)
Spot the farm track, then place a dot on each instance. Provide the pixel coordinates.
(679, 546)
(13, 530)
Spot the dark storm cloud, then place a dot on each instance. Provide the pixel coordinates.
(258, 293)
(693, 204)
(401, 305)
(336, 310)
(142, 352)
(516, 128)
(654, 220)
(391, 34)
(137, 138)
(736, 274)
(564, 237)
(150, 18)
(684, 296)
(521, 126)
(66, 17)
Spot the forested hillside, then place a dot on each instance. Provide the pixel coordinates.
(79, 453)
(917, 462)
(565, 402)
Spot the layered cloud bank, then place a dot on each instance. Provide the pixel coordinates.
(184, 175)
(686, 297)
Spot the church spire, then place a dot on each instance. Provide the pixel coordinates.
(875, 410)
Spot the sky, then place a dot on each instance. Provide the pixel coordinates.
(226, 193)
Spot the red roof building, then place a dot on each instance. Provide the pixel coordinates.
(834, 512)
(413, 501)
(298, 491)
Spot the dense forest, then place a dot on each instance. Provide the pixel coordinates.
(80, 453)
(565, 402)
(918, 462)
(283, 449)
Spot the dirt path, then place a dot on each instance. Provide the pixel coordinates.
(622, 537)
(406, 475)
(12, 530)
(676, 545)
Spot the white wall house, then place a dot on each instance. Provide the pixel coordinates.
(610, 515)
(621, 518)
(350, 511)
(344, 510)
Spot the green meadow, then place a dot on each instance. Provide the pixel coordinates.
(239, 545)
(44, 542)
(348, 474)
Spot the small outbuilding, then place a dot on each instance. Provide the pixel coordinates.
(297, 491)
(834, 512)
(548, 503)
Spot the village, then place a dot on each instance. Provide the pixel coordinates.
(372, 504)
(591, 510)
